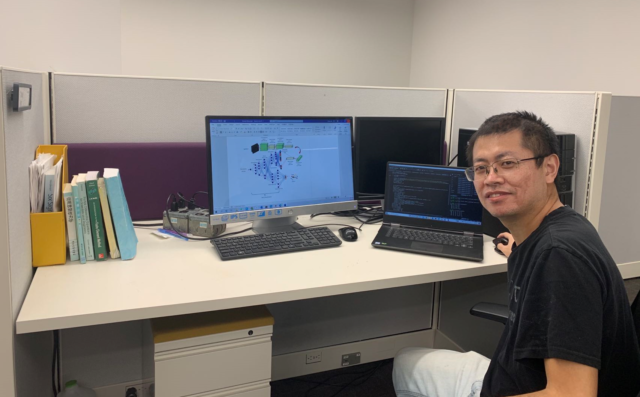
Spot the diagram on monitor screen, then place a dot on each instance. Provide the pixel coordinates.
(275, 163)
(283, 168)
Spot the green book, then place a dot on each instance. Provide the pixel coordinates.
(95, 214)
(86, 220)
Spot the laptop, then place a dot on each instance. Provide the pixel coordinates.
(432, 210)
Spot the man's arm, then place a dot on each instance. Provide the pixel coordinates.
(567, 379)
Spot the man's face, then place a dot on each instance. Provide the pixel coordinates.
(518, 191)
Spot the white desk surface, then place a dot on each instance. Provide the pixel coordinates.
(172, 277)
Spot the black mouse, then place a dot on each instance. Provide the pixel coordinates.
(348, 234)
(500, 240)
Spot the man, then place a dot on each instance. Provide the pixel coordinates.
(570, 330)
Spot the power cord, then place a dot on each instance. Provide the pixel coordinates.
(55, 364)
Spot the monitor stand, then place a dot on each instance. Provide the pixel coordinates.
(275, 225)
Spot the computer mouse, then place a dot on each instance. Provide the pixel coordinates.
(348, 234)
(500, 240)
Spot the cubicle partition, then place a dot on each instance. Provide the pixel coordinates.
(97, 109)
(620, 209)
(25, 366)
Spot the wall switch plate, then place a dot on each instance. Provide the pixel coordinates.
(350, 359)
(314, 357)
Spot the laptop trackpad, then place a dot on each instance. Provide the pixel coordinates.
(427, 246)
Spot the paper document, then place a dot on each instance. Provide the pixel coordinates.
(37, 171)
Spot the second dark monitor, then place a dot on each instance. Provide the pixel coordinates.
(379, 140)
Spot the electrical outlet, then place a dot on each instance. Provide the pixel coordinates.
(314, 357)
(139, 390)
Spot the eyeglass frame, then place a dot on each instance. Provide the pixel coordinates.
(490, 166)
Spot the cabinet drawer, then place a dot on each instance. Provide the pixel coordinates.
(211, 367)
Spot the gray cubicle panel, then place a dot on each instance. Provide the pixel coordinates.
(20, 134)
(93, 108)
(620, 209)
(325, 100)
(565, 112)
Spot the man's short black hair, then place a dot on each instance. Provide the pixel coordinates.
(537, 135)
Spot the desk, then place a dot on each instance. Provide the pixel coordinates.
(172, 277)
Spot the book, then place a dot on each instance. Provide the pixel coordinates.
(125, 234)
(95, 216)
(69, 215)
(75, 190)
(84, 216)
(108, 224)
(49, 189)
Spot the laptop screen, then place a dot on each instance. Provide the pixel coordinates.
(439, 195)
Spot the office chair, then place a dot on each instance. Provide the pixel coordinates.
(500, 313)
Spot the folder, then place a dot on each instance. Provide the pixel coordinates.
(48, 233)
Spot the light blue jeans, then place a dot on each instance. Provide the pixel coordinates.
(420, 372)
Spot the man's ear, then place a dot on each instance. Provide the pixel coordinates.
(551, 167)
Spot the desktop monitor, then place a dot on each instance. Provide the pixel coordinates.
(400, 139)
(269, 170)
(464, 135)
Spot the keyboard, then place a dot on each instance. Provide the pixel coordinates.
(432, 237)
(275, 243)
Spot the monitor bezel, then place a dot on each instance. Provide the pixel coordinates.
(216, 219)
(426, 223)
(358, 139)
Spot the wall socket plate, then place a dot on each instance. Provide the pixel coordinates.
(142, 389)
(350, 359)
(314, 357)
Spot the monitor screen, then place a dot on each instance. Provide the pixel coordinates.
(401, 139)
(262, 167)
(441, 194)
(464, 135)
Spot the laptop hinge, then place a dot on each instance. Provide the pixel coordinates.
(469, 234)
(394, 224)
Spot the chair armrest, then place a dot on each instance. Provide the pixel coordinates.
(491, 311)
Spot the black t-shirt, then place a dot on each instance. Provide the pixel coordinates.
(566, 300)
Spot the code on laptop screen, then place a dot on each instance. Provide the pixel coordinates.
(433, 193)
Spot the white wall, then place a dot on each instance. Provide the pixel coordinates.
(527, 44)
(352, 42)
(63, 35)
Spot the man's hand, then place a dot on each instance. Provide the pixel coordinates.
(567, 379)
(506, 249)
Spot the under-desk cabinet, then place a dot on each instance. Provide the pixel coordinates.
(216, 354)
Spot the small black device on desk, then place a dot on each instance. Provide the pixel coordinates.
(500, 240)
(348, 233)
(275, 243)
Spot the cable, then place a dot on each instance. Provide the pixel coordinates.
(329, 224)
(147, 224)
(454, 157)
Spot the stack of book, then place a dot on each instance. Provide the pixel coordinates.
(98, 217)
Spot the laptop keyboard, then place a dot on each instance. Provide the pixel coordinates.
(431, 237)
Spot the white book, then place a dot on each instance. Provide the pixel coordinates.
(86, 220)
(70, 216)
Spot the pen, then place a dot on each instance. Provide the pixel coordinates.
(172, 233)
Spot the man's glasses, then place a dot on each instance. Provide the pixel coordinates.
(502, 167)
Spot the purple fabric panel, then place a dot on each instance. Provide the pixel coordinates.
(149, 171)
